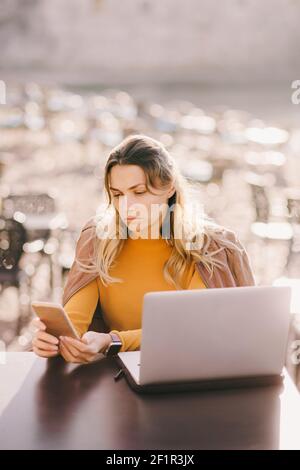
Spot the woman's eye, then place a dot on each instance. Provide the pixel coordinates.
(118, 195)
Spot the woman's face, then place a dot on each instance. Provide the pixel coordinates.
(138, 208)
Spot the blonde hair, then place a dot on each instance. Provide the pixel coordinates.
(157, 163)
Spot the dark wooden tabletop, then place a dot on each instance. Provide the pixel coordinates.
(48, 404)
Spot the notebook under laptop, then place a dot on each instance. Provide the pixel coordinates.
(210, 338)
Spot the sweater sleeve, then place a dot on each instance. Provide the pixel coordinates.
(82, 305)
(131, 339)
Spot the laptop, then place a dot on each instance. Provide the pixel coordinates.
(210, 338)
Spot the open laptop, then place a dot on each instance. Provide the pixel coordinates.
(210, 338)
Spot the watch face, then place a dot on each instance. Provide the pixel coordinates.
(113, 349)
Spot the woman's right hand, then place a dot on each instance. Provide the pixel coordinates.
(44, 345)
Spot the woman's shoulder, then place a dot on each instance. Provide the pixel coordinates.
(90, 223)
(219, 235)
(227, 243)
(85, 243)
(95, 222)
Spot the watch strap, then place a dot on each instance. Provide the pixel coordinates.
(115, 338)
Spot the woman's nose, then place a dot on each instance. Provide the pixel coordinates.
(127, 204)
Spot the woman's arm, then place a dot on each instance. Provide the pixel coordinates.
(80, 309)
(82, 305)
(131, 339)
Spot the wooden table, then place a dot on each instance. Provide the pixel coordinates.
(48, 404)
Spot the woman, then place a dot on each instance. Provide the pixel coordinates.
(149, 237)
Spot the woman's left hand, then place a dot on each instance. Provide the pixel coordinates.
(84, 350)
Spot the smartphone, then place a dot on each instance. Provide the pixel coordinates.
(55, 318)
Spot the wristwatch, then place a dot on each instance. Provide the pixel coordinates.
(115, 345)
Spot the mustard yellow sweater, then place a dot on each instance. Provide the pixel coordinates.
(140, 265)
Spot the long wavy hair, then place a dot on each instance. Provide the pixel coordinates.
(158, 165)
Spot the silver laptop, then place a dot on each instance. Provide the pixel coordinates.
(210, 337)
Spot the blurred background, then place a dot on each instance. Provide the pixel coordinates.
(211, 81)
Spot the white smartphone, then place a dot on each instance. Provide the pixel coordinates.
(55, 318)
